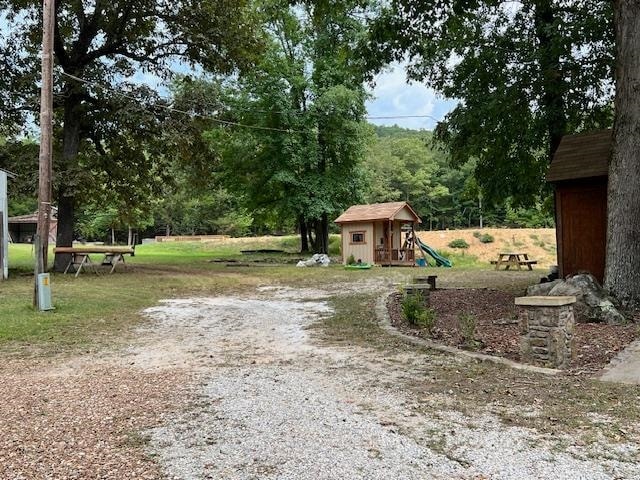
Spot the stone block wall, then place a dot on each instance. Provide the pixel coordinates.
(546, 330)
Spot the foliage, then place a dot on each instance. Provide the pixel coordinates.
(467, 329)
(486, 238)
(351, 260)
(525, 73)
(404, 164)
(412, 305)
(306, 99)
(102, 137)
(415, 311)
(427, 320)
(458, 243)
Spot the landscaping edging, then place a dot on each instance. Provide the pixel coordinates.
(385, 323)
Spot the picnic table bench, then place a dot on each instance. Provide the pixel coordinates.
(80, 256)
(513, 259)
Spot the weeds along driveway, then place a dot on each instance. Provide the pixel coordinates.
(300, 382)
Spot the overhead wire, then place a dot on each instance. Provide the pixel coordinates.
(177, 110)
(222, 106)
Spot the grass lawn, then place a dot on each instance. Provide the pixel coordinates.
(94, 310)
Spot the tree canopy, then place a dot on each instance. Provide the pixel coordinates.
(102, 116)
(525, 74)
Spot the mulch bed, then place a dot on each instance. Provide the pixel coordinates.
(497, 327)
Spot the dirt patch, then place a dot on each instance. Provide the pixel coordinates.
(498, 332)
(83, 425)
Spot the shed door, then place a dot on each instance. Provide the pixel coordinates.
(583, 226)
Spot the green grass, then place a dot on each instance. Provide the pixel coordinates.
(92, 311)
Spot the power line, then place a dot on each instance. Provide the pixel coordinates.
(184, 112)
(391, 117)
(229, 122)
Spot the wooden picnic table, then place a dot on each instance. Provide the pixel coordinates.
(81, 256)
(513, 259)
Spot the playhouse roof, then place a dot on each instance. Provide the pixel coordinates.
(376, 211)
(581, 156)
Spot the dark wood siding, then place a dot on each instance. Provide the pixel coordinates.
(582, 226)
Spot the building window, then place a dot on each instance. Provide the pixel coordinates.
(357, 238)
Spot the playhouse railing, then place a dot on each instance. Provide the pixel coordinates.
(398, 255)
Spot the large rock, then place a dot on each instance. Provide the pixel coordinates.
(592, 302)
(542, 289)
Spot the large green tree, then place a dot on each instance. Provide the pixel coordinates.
(306, 98)
(99, 131)
(525, 74)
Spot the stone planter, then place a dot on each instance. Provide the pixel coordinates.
(547, 326)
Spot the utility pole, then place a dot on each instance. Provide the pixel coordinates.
(46, 133)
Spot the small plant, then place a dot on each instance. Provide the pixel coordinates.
(351, 260)
(477, 234)
(427, 320)
(486, 238)
(467, 329)
(412, 305)
(458, 243)
(416, 312)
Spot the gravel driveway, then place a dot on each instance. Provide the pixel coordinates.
(241, 388)
(272, 402)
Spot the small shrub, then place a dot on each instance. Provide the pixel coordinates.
(427, 319)
(477, 234)
(458, 243)
(467, 329)
(412, 305)
(416, 312)
(351, 260)
(486, 238)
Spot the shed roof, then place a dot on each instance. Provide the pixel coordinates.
(375, 211)
(33, 217)
(9, 174)
(581, 156)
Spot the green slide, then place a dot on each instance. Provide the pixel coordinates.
(440, 260)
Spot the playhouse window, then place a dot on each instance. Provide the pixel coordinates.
(357, 237)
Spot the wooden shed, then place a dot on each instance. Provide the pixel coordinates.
(22, 229)
(378, 233)
(579, 173)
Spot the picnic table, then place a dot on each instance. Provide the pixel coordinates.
(81, 256)
(513, 259)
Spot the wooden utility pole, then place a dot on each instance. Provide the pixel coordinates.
(46, 127)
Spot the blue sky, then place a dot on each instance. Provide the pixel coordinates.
(393, 96)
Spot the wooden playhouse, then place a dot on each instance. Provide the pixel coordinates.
(579, 173)
(379, 233)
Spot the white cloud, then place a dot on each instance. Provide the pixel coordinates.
(393, 96)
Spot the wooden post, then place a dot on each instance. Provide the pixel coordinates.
(46, 127)
(390, 241)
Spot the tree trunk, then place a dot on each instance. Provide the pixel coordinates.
(64, 236)
(66, 196)
(622, 276)
(554, 85)
(130, 237)
(323, 234)
(304, 238)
